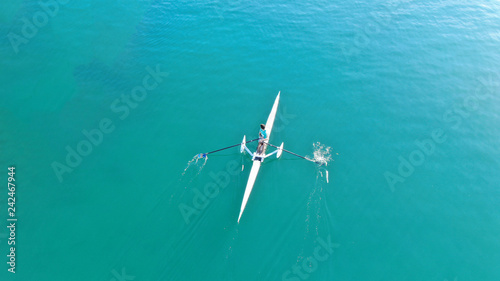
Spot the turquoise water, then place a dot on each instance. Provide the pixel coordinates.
(405, 94)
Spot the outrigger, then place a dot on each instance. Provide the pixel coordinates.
(259, 155)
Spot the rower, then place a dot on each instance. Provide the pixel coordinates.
(262, 138)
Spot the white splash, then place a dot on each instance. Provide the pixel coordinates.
(194, 161)
(322, 153)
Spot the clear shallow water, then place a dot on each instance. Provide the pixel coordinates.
(368, 79)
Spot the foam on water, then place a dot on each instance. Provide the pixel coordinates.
(322, 154)
(194, 162)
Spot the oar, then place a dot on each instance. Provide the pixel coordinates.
(317, 162)
(203, 155)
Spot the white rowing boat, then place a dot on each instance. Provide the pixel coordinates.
(258, 158)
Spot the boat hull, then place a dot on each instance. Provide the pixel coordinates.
(258, 158)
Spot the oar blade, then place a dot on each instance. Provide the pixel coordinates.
(243, 142)
(280, 150)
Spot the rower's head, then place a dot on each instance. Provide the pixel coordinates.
(262, 126)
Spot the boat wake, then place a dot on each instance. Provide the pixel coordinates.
(191, 172)
(314, 208)
(196, 163)
(323, 172)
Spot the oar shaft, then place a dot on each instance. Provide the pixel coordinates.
(288, 151)
(229, 147)
(295, 154)
(223, 148)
